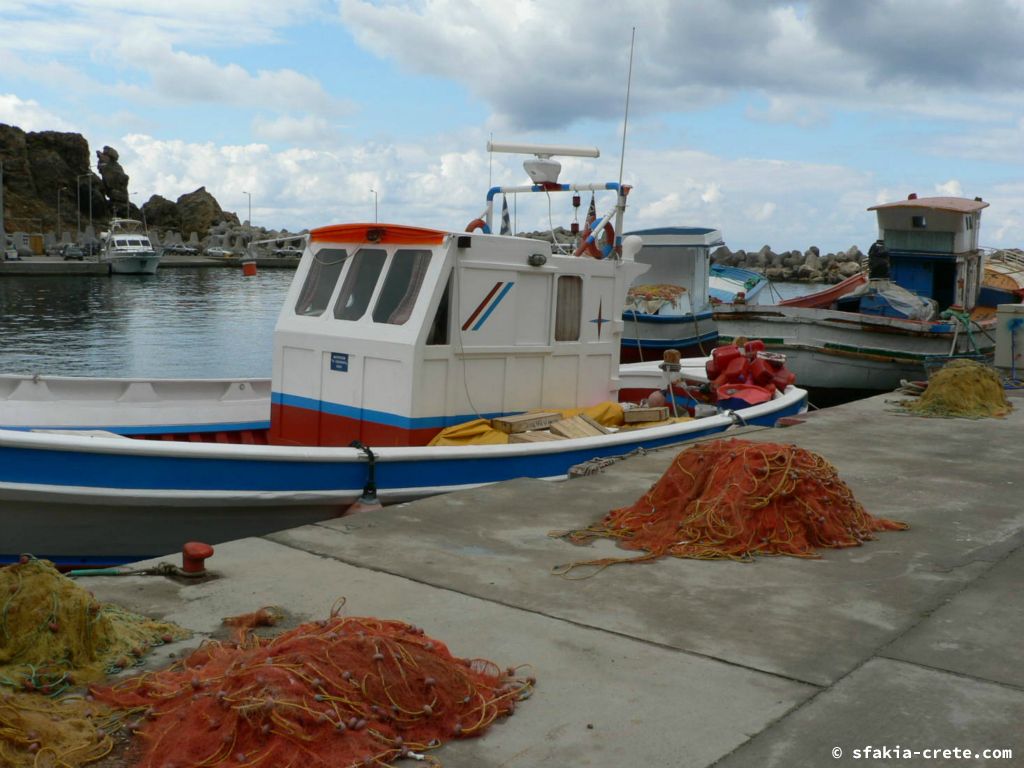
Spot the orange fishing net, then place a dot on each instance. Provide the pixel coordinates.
(335, 692)
(736, 499)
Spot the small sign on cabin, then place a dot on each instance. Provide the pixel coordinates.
(339, 361)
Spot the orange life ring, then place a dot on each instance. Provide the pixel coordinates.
(592, 249)
(478, 224)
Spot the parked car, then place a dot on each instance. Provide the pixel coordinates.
(70, 251)
(288, 253)
(220, 253)
(181, 249)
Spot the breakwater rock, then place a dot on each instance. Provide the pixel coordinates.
(808, 266)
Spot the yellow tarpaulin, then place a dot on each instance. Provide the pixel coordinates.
(480, 431)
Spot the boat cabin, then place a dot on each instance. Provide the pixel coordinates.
(932, 244)
(677, 282)
(391, 333)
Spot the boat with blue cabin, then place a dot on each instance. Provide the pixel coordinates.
(388, 336)
(920, 306)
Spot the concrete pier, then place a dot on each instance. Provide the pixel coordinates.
(912, 640)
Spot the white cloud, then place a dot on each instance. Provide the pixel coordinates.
(305, 130)
(763, 212)
(802, 56)
(950, 188)
(29, 115)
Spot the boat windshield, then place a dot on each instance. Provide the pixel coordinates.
(360, 281)
(320, 282)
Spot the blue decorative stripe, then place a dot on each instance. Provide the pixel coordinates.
(630, 315)
(501, 295)
(669, 343)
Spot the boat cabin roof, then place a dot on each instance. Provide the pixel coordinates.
(680, 236)
(951, 204)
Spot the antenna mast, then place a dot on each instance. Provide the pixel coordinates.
(625, 119)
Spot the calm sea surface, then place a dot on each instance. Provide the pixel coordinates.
(178, 323)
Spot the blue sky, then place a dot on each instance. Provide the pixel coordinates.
(777, 122)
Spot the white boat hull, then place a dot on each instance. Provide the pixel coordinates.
(135, 265)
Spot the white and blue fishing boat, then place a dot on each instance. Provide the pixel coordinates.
(729, 285)
(388, 335)
(668, 307)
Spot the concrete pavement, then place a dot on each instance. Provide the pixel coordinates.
(912, 639)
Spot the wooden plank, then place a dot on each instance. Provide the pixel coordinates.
(635, 415)
(574, 427)
(533, 437)
(524, 422)
(601, 428)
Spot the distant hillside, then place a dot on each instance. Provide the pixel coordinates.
(42, 168)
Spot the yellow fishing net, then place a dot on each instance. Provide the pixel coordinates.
(54, 634)
(965, 389)
(36, 731)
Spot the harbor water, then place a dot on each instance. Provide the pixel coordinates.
(178, 323)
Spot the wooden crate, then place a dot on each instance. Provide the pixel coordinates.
(636, 415)
(524, 422)
(575, 427)
(533, 437)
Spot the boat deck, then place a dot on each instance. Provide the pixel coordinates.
(910, 640)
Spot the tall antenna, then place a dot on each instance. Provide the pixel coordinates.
(490, 159)
(625, 119)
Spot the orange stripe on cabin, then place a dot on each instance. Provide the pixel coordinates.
(386, 234)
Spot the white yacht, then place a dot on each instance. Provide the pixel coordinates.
(128, 250)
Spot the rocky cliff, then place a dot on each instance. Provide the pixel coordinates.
(46, 177)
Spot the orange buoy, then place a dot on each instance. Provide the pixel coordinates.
(248, 268)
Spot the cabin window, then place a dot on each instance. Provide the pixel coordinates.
(568, 308)
(439, 328)
(359, 283)
(918, 222)
(320, 282)
(969, 222)
(121, 242)
(401, 287)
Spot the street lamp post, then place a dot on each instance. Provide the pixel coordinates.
(59, 191)
(250, 208)
(78, 201)
(374, 205)
(144, 224)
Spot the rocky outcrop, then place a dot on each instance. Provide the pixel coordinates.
(47, 174)
(40, 169)
(200, 211)
(114, 179)
(161, 213)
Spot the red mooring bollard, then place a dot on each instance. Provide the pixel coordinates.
(193, 556)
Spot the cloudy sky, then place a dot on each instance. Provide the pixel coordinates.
(778, 122)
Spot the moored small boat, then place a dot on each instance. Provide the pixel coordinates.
(127, 249)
